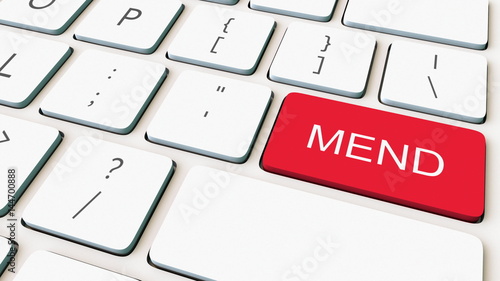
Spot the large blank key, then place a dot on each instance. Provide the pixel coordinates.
(47, 266)
(457, 22)
(99, 195)
(219, 219)
(224, 39)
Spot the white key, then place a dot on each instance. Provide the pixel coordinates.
(123, 24)
(435, 80)
(8, 249)
(221, 38)
(26, 65)
(111, 206)
(47, 266)
(211, 115)
(325, 59)
(24, 149)
(47, 16)
(108, 91)
(457, 22)
(219, 219)
(319, 10)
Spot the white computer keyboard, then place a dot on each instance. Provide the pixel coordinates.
(249, 140)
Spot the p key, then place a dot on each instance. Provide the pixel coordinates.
(416, 163)
(121, 24)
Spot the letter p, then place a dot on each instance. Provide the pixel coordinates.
(129, 15)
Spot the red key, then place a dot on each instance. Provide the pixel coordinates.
(416, 163)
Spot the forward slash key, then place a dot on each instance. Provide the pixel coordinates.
(413, 162)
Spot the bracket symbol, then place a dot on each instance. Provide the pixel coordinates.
(215, 44)
(320, 65)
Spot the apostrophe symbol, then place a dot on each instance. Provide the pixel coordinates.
(117, 167)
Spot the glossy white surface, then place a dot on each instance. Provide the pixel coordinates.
(25, 146)
(325, 59)
(213, 116)
(28, 64)
(224, 39)
(47, 266)
(222, 226)
(136, 265)
(457, 22)
(105, 91)
(318, 10)
(112, 23)
(436, 80)
(97, 196)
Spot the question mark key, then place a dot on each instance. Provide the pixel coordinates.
(91, 187)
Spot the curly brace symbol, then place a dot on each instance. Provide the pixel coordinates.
(227, 24)
(328, 44)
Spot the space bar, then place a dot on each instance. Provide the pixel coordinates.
(227, 227)
(462, 23)
(413, 162)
